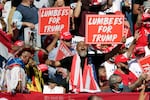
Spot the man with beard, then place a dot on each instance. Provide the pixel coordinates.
(128, 78)
(82, 68)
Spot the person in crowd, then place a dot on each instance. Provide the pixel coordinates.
(84, 7)
(116, 85)
(142, 25)
(10, 28)
(64, 38)
(127, 10)
(34, 79)
(137, 9)
(15, 73)
(26, 15)
(103, 81)
(128, 78)
(84, 61)
(64, 3)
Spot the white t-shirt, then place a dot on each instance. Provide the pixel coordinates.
(134, 67)
(55, 90)
(110, 68)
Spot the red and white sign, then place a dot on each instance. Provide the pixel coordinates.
(54, 19)
(63, 51)
(145, 64)
(104, 29)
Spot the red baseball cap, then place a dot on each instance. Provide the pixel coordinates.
(65, 36)
(139, 50)
(120, 59)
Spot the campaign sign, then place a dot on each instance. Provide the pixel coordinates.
(104, 29)
(145, 64)
(54, 19)
(63, 51)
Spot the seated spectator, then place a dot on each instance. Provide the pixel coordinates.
(15, 73)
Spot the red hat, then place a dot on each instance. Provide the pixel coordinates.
(139, 50)
(42, 67)
(65, 36)
(120, 59)
(145, 16)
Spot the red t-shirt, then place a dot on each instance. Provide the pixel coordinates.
(142, 41)
(126, 78)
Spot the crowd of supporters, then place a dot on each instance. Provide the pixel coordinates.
(33, 66)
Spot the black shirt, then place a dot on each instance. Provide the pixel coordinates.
(96, 59)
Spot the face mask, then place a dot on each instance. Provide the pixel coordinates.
(121, 86)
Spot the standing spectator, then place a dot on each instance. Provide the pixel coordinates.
(26, 15)
(14, 4)
(52, 48)
(87, 7)
(128, 78)
(137, 9)
(81, 63)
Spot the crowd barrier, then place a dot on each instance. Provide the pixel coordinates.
(81, 96)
